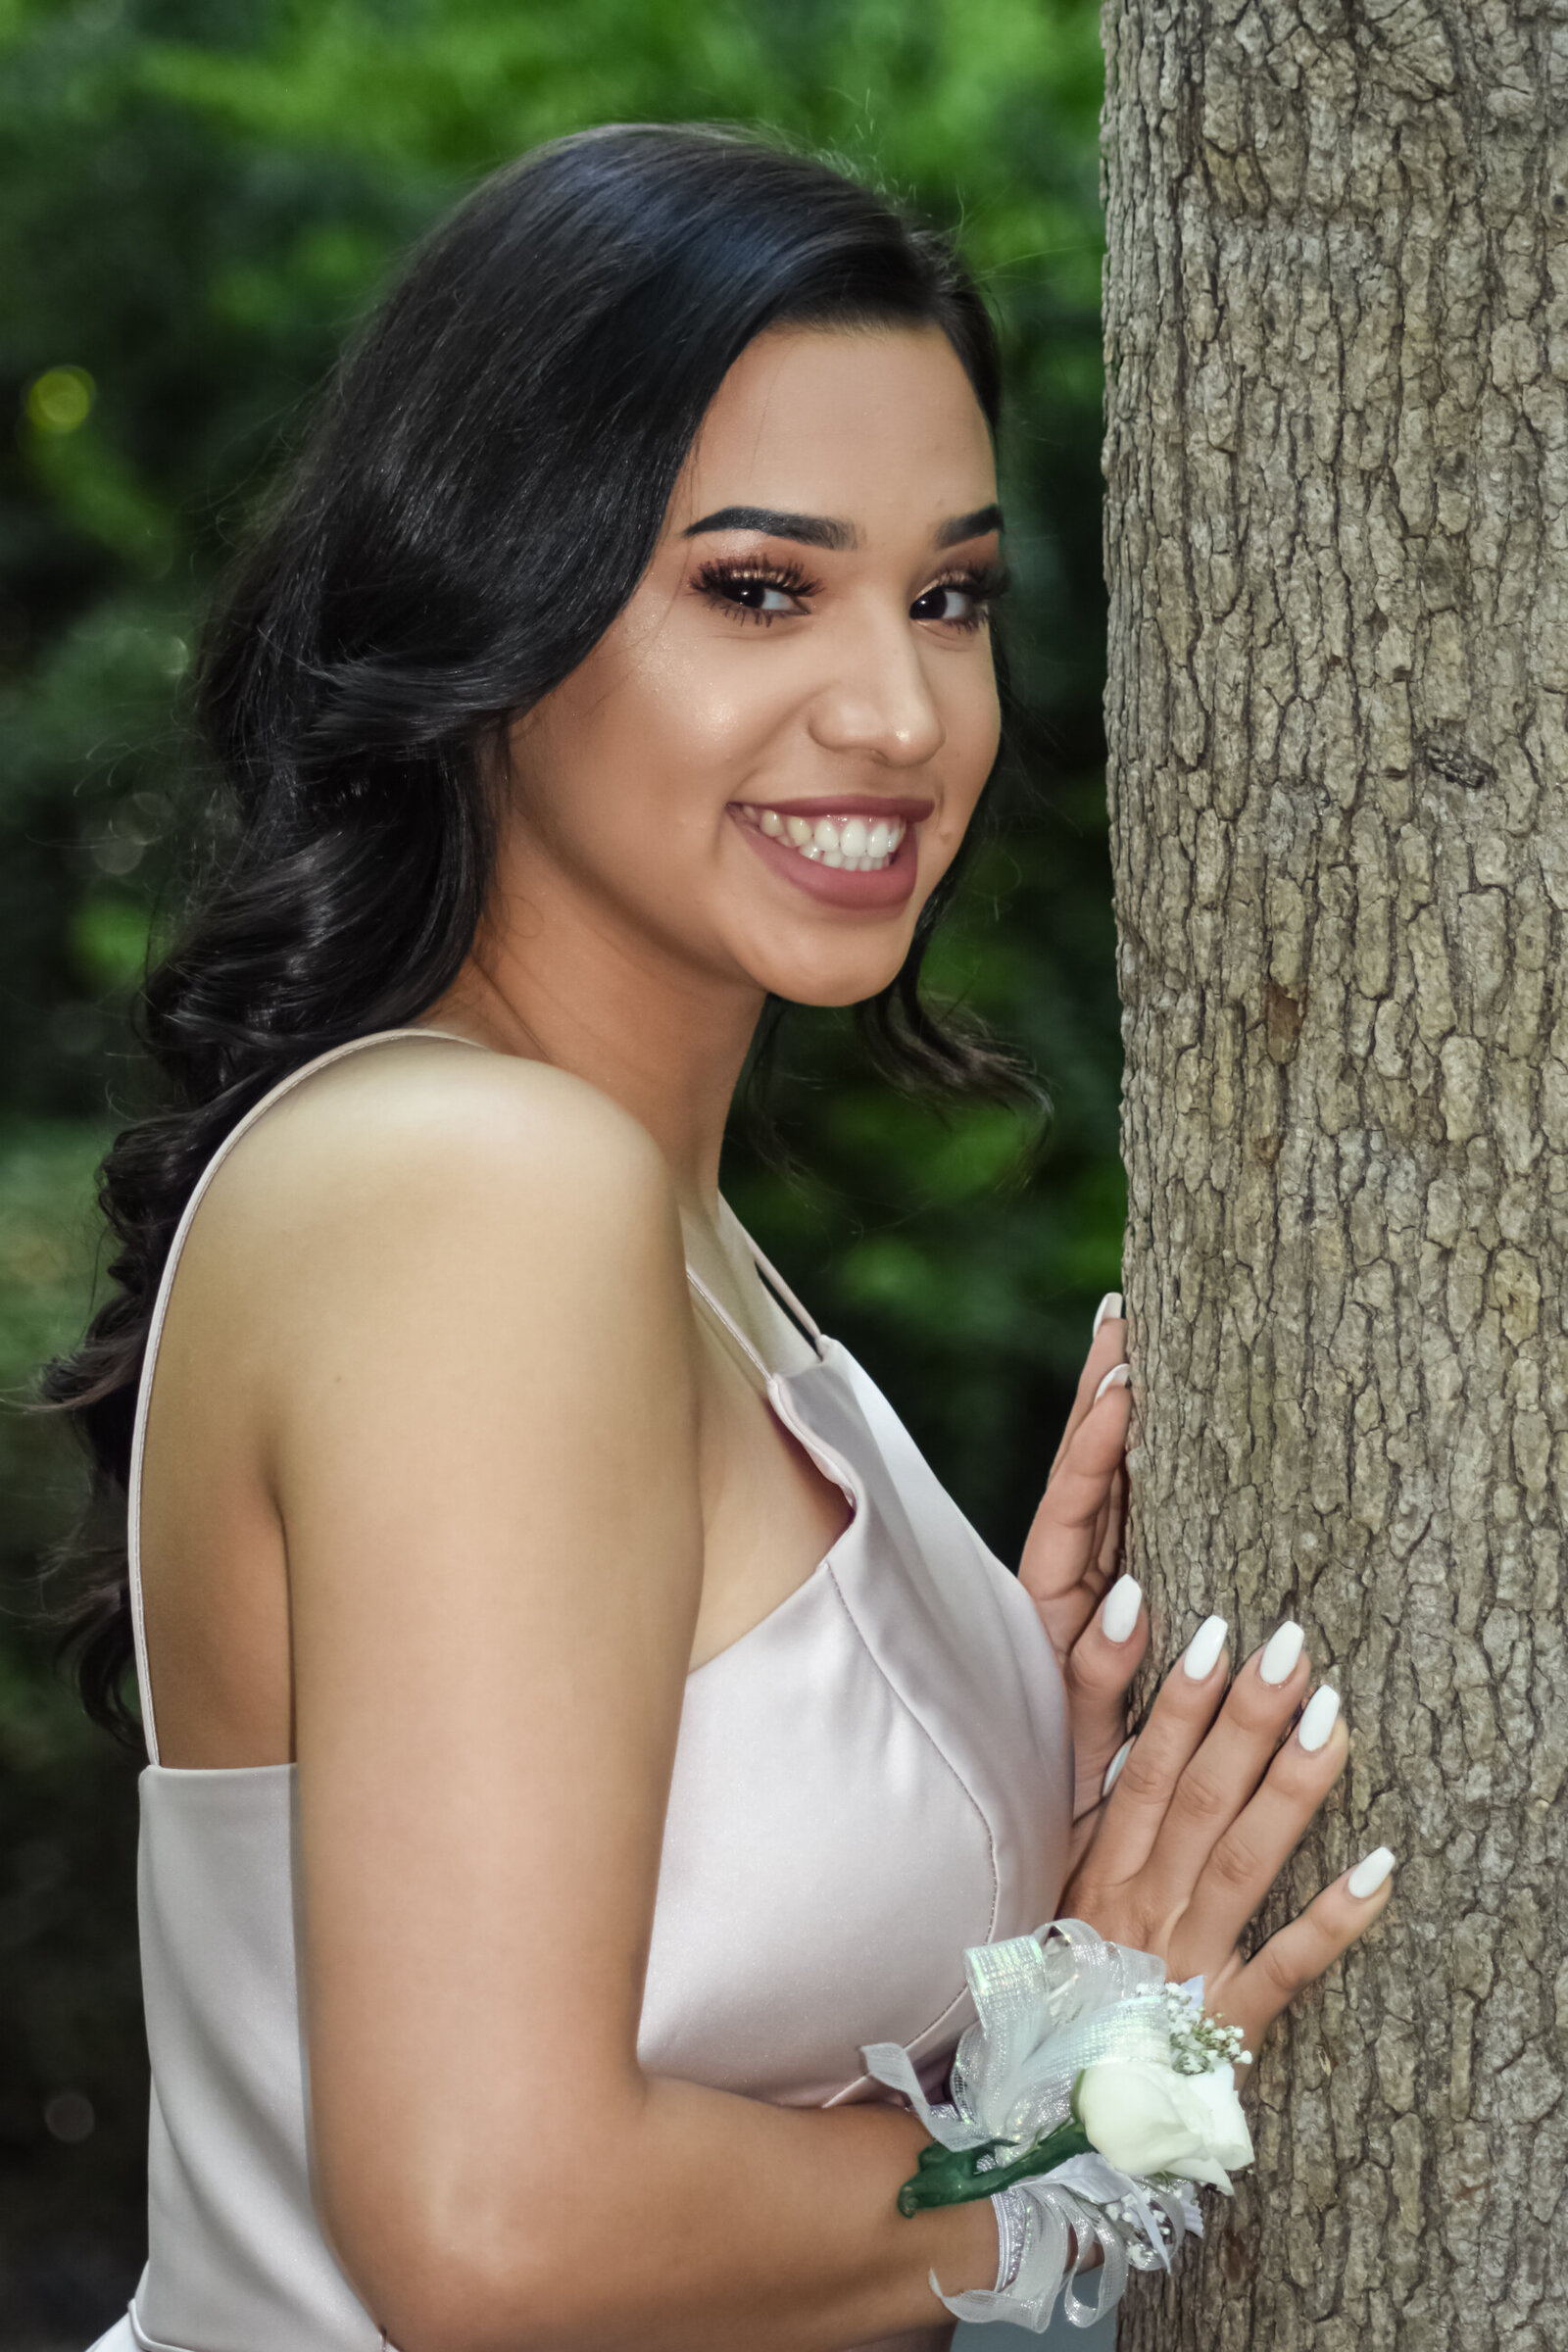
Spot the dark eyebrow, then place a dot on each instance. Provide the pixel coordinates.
(811, 530)
(826, 530)
(969, 526)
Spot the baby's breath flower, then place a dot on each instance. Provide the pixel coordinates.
(1199, 2043)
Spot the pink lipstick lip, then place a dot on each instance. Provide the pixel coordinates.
(849, 804)
(881, 892)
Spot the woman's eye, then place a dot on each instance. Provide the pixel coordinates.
(763, 598)
(952, 603)
(761, 595)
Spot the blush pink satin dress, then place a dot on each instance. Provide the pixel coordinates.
(873, 1778)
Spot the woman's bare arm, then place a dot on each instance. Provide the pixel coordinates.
(482, 1444)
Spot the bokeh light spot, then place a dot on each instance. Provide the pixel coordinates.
(60, 400)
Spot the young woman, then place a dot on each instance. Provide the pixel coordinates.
(577, 1718)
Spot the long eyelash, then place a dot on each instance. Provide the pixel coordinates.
(714, 577)
(985, 582)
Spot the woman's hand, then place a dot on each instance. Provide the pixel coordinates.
(1070, 1560)
(1204, 1812)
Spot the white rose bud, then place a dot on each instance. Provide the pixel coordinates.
(1226, 2137)
(1145, 2117)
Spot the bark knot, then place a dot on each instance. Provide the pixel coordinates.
(1457, 763)
(1284, 1012)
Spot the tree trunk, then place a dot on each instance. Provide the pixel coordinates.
(1337, 455)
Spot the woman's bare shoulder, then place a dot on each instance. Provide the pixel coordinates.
(425, 1153)
(387, 1122)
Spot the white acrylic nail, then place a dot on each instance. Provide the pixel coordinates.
(1116, 1378)
(1108, 1312)
(1368, 1876)
(1318, 1718)
(1281, 1652)
(1113, 1767)
(1203, 1649)
(1118, 1618)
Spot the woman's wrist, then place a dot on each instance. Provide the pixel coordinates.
(970, 2245)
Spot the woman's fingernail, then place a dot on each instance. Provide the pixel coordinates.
(1113, 1767)
(1106, 1311)
(1116, 1378)
(1368, 1876)
(1118, 1618)
(1318, 1718)
(1202, 1651)
(1281, 1652)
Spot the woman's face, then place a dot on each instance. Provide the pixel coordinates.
(767, 762)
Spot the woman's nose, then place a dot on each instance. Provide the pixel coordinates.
(878, 702)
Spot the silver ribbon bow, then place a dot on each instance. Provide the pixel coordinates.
(1047, 2006)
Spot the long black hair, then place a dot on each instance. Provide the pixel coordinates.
(481, 492)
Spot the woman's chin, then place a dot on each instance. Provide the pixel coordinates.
(828, 990)
(826, 967)
(819, 936)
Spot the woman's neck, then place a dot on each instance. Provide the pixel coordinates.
(570, 986)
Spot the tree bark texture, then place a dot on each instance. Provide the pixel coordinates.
(1337, 542)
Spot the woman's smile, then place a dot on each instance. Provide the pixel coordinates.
(857, 852)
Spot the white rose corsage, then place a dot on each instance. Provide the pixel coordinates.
(1088, 2099)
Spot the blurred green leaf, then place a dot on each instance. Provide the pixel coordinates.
(97, 491)
(109, 934)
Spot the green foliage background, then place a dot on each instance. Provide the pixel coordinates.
(197, 199)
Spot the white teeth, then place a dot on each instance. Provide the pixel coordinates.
(851, 845)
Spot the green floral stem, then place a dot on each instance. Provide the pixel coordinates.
(953, 2176)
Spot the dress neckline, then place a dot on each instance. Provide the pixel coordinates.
(829, 1460)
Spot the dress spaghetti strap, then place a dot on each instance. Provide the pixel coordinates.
(155, 1332)
(721, 1314)
(776, 1282)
